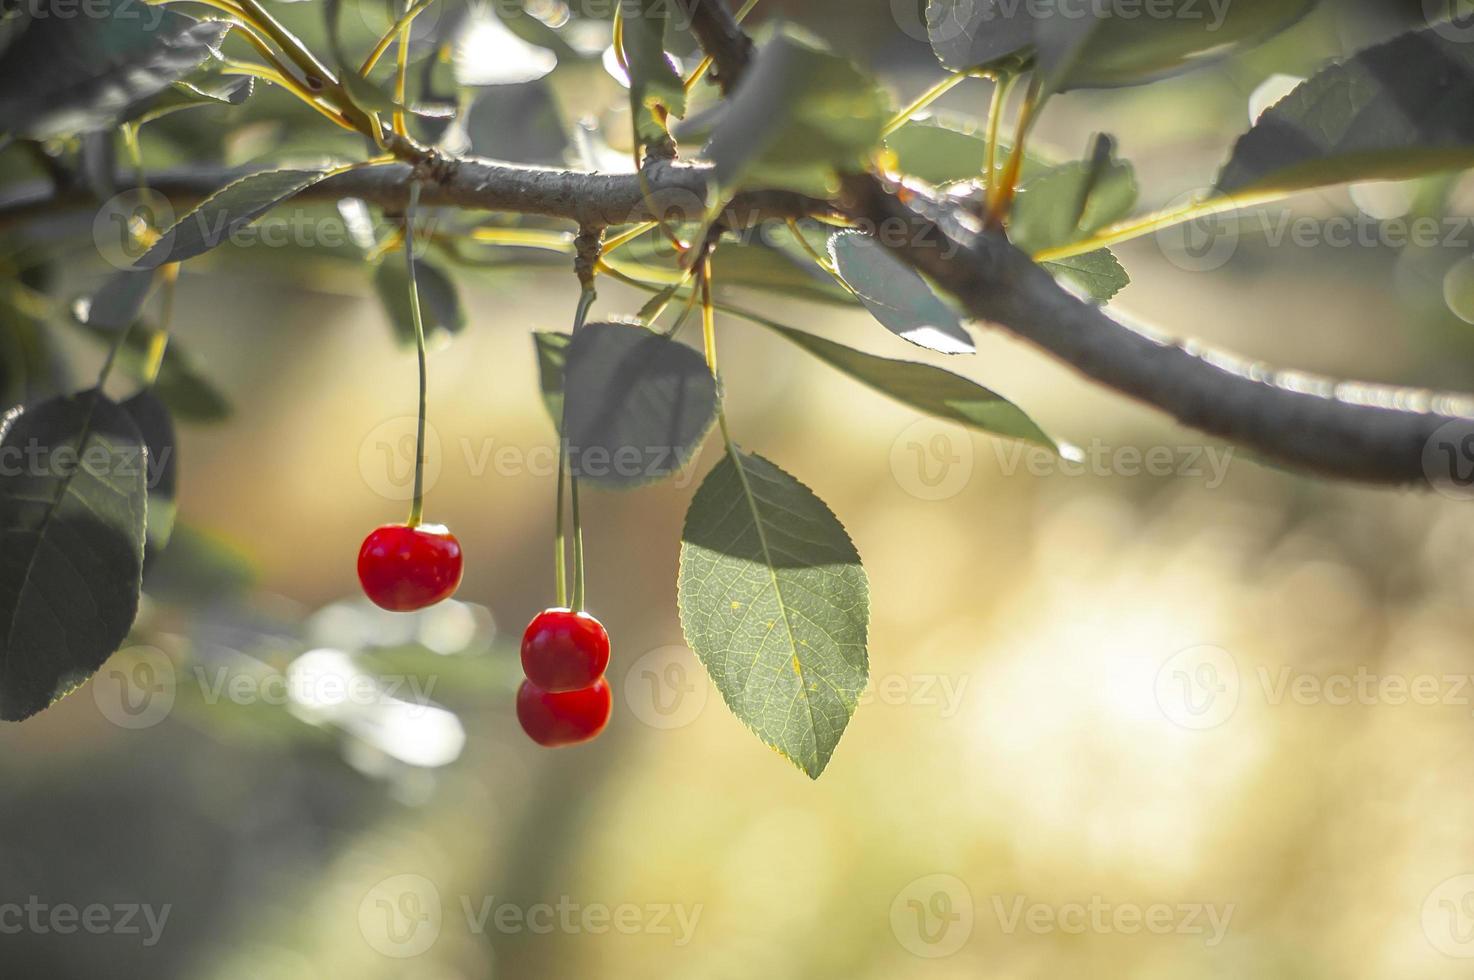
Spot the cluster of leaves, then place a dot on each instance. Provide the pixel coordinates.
(772, 594)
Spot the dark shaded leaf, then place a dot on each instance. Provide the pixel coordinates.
(225, 212)
(552, 357)
(66, 75)
(1394, 111)
(118, 302)
(636, 404)
(1074, 47)
(71, 546)
(517, 123)
(775, 603)
(151, 416)
(440, 302)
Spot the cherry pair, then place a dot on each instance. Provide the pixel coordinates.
(565, 699)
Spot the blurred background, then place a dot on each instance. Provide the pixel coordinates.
(1199, 718)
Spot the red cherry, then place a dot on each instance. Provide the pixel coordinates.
(560, 718)
(563, 650)
(407, 568)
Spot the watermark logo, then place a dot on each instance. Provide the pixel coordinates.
(1448, 917)
(136, 688)
(1205, 243)
(932, 460)
(1199, 687)
(1448, 459)
(65, 919)
(1452, 20)
(1100, 916)
(401, 916)
(932, 917)
(386, 458)
(666, 688)
(120, 227)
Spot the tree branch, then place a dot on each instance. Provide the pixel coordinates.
(677, 192)
(721, 37)
(1348, 430)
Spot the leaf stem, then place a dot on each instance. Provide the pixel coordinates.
(922, 101)
(1002, 86)
(159, 343)
(403, 23)
(417, 506)
(1000, 196)
(1148, 224)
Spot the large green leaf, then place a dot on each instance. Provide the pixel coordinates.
(774, 601)
(64, 75)
(636, 404)
(1088, 46)
(897, 296)
(1070, 201)
(225, 212)
(440, 302)
(72, 514)
(941, 150)
(800, 115)
(117, 303)
(924, 387)
(1397, 110)
(656, 86)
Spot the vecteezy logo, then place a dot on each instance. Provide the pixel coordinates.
(931, 460)
(1201, 244)
(1198, 687)
(1452, 20)
(401, 916)
(1448, 459)
(932, 917)
(665, 688)
(119, 225)
(1448, 917)
(136, 688)
(386, 458)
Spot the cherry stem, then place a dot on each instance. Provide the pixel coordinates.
(585, 303)
(560, 537)
(417, 508)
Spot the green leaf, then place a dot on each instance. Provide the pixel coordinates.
(923, 387)
(1074, 47)
(71, 546)
(774, 601)
(191, 396)
(1096, 274)
(636, 404)
(1070, 202)
(552, 357)
(151, 416)
(226, 91)
(117, 303)
(225, 212)
(1394, 111)
(518, 123)
(440, 302)
(799, 116)
(897, 296)
(778, 264)
(656, 86)
(941, 150)
(67, 75)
